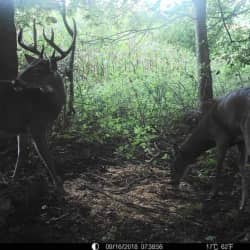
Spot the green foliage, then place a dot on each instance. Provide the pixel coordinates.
(135, 68)
(132, 98)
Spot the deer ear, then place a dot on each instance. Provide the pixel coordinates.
(29, 58)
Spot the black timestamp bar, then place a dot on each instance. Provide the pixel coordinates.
(169, 246)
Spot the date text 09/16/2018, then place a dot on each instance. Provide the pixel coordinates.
(134, 246)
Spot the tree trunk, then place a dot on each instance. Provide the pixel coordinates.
(203, 61)
(70, 69)
(8, 47)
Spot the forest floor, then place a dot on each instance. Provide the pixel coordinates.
(115, 202)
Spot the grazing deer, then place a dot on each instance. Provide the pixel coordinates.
(227, 123)
(31, 102)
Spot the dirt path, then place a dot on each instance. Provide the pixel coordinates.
(128, 203)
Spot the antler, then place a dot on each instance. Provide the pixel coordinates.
(34, 48)
(56, 48)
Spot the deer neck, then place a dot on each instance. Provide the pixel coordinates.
(198, 142)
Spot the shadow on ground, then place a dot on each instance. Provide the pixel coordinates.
(114, 202)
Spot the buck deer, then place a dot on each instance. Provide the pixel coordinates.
(227, 123)
(31, 102)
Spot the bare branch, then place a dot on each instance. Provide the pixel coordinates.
(223, 20)
(234, 13)
(121, 36)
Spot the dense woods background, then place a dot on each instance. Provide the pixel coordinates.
(133, 94)
(135, 67)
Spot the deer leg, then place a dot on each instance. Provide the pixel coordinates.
(221, 150)
(242, 162)
(41, 146)
(21, 153)
(243, 148)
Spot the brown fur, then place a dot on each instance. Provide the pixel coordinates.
(227, 123)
